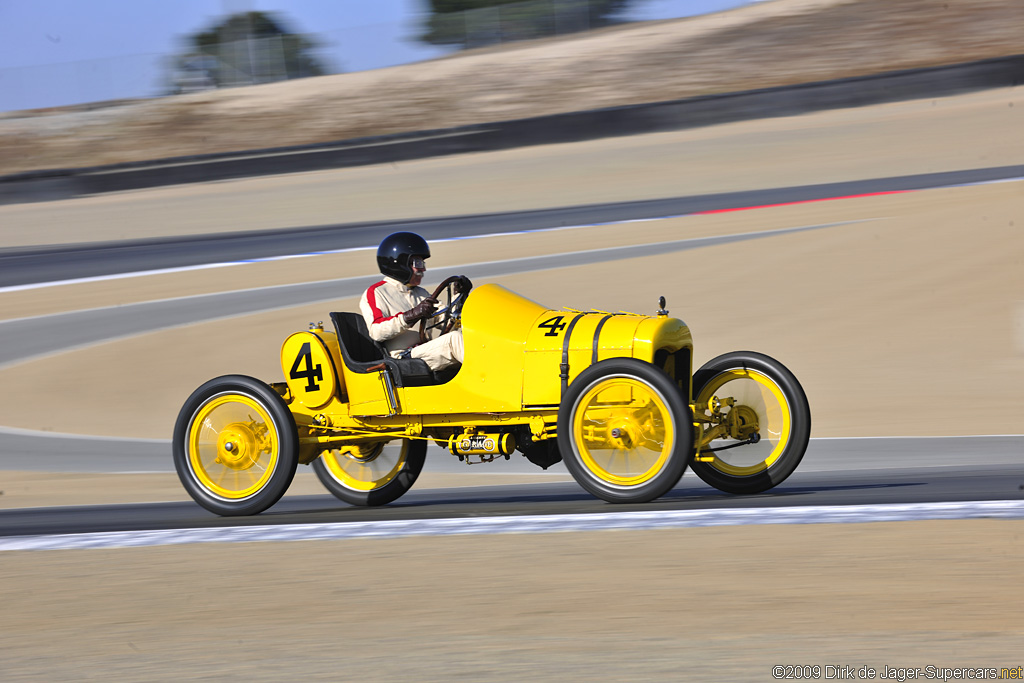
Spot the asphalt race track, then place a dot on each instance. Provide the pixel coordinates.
(910, 471)
(22, 266)
(835, 471)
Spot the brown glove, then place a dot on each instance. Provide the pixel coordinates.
(463, 285)
(423, 309)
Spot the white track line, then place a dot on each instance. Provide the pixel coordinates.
(285, 257)
(695, 242)
(227, 264)
(538, 524)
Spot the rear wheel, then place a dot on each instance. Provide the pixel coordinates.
(372, 474)
(767, 395)
(624, 431)
(235, 447)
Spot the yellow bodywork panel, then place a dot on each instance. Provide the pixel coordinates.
(662, 332)
(511, 374)
(666, 334)
(367, 393)
(495, 327)
(308, 367)
(542, 384)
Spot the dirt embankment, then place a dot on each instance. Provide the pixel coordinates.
(767, 44)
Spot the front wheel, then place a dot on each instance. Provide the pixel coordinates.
(624, 431)
(771, 402)
(235, 446)
(371, 474)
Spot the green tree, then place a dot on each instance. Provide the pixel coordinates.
(242, 49)
(471, 23)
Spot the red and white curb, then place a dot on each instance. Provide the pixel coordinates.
(536, 524)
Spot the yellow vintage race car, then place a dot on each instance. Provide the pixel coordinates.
(612, 395)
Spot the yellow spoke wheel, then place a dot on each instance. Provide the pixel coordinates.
(757, 395)
(768, 401)
(371, 474)
(620, 431)
(235, 446)
(232, 446)
(624, 431)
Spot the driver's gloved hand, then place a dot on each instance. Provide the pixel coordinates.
(463, 285)
(423, 309)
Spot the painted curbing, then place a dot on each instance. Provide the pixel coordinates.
(537, 524)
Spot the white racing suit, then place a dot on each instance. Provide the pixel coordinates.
(382, 306)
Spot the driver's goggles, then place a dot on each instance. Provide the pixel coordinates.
(418, 264)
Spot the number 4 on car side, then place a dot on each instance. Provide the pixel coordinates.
(612, 395)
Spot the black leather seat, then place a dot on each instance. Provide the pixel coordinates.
(361, 353)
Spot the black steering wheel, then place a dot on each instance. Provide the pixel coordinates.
(450, 313)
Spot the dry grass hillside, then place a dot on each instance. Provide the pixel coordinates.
(773, 43)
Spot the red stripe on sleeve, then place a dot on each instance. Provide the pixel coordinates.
(371, 298)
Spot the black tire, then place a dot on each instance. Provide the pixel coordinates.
(756, 467)
(378, 477)
(235, 446)
(638, 438)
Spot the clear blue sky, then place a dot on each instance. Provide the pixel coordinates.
(55, 52)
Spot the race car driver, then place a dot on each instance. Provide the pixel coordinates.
(393, 307)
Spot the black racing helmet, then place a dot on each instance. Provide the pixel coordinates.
(395, 254)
